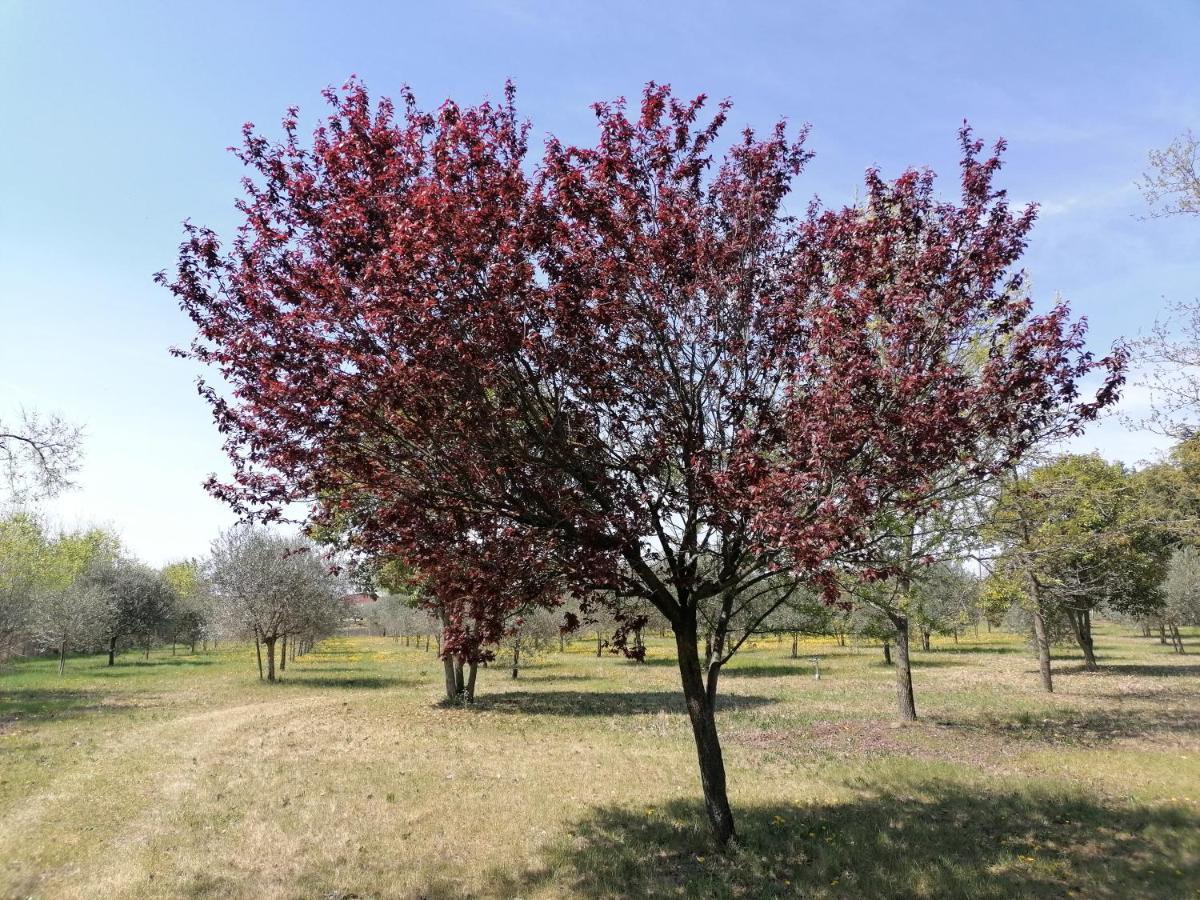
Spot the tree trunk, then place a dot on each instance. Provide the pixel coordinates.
(1145, 629)
(516, 658)
(1043, 649)
(448, 671)
(1177, 639)
(258, 653)
(1081, 627)
(599, 645)
(283, 655)
(472, 670)
(704, 729)
(906, 705)
(887, 653)
(459, 685)
(112, 650)
(270, 642)
(1162, 633)
(147, 654)
(795, 646)
(925, 639)
(62, 657)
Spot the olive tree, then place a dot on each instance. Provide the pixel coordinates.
(271, 586)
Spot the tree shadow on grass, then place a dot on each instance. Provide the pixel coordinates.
(602, 703)
(141, 666)
(1149, 669)
(39, 704)
(541, 675)
(932, 840)
(368, 682)
(783, 670)
(1079, 727)
(973, 649)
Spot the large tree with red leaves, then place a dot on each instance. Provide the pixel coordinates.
(625, 371)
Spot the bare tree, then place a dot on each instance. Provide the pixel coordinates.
(1171, 351)
(1172, 184)
(38, 455)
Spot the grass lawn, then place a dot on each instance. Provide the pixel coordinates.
(184, 776)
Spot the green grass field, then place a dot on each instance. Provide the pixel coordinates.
(184, 776)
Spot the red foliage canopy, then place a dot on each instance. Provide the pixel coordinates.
(628, 368)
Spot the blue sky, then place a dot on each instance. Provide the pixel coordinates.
(115, 119)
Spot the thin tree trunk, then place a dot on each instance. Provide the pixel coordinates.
(112, 650)
(1162, 633)
(270, 642)
(906, 705)
(258, 653)
(1177, 639)
(472, 671)
(62, 657)
(283, 654)
(599, 645)
(1081, 627)
(516, 658)
(795, 646)
(1043, 649)
(925, 639)
(887, 653)
(704, 730)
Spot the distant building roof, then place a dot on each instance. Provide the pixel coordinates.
(358, 599)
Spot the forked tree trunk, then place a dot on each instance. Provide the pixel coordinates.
(925, 639)
(1042, 643)
(1177, 639)
(62, 657)
(906, 704)
(472, 671)
(1162, 633)
(1081, 627)
(701, 712)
